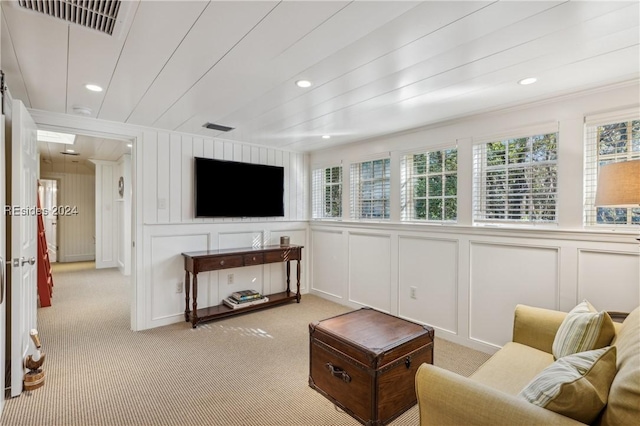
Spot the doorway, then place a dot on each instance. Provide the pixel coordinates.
(102, 158)
(48, 193)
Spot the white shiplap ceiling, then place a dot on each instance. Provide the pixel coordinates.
(377, 67)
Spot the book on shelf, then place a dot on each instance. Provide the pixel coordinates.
(233, 304)
(245, 295)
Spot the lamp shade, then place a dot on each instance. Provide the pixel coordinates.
(619, 184)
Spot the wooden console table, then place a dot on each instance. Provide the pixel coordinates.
(214, 260)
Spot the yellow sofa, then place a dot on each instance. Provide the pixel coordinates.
(489, 396)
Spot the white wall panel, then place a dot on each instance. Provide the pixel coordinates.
(149, 174)
(175, 184)
(328, 263)
(276, 273)
(245, 238)
(107, 218)
(609, 280)
(168, 271)
(163, 177)
(186, 178)
(76, 232)
(431, 266)
(370, 270)
(504, 275)
(168, 176)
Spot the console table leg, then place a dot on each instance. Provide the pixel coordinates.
(194, 314)
(187, 289)
(288, 276)
(298, 296)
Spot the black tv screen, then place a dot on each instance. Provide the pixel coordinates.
(234, 189)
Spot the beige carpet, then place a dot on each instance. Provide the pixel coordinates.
(247, 370)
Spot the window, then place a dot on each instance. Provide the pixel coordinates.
(327, 193)
(515, 180)
(614, 141)
(370, 187)
(430, 186)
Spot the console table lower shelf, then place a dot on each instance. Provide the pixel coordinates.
(221, 311)
(214, 260)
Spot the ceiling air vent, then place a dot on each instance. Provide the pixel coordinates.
(214, 126)
(98, 15)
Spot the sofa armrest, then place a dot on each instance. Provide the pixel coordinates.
(446, 398)
(536, 327)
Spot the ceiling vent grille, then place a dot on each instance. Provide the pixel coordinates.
(220, 127)
(98, 15)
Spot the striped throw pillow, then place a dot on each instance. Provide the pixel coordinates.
(583, 329)
(575, 386)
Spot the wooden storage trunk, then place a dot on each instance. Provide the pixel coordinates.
(365, 362)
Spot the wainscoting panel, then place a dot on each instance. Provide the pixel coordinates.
(607, 279)
(503, 275)
(240, 239)
(168, 271)
(276, 273)
(370, 270)
(328, 263)
(429, 266)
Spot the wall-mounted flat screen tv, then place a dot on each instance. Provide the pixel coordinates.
(234, 189)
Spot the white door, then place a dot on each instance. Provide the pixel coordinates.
(3, 266)
(24, 242)
(49, 200)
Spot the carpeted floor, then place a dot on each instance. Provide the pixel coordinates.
(247, 370)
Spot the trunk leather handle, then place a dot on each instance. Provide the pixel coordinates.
(338, 372)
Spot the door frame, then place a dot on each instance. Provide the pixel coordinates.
(109, 130)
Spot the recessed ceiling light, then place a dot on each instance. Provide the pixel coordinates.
(93, 87)
(303, 83)
(528, 80)
(129, 145)
(326, 136)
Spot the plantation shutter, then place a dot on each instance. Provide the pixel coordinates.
(515, 177)
(370, 189)
(326, 192)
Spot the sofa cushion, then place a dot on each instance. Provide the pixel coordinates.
(583, 329)
(576, 385)
(624, 397)
(512, 367)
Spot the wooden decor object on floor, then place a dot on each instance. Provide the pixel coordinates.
(34, 378)
(365, 362)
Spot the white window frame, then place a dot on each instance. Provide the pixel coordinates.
(480, 169)
(320, 204)
(360, 183)
(408, 176)
(593, 159)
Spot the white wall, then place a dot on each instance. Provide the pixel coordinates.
(468, 279)
(124, 216)
(167, 180)
(108, 226)
(76, 237)
(465, 296)
(162, 164)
